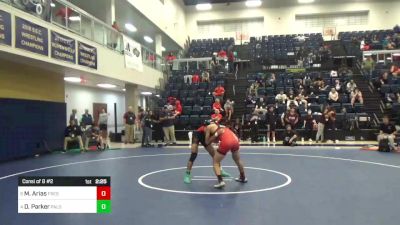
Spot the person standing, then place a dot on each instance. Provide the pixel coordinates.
(321, 127)
(73, 116)
(129, 121)
(308, 125)
(167, 119)
(271, 124)
(87, 119)
(103, 121)
(148, 124)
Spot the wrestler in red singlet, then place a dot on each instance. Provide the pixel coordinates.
(228, 140)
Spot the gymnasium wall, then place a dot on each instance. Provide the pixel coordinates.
(382, 15)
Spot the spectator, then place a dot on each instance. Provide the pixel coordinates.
(271, 118)
(395, 70)
(115, 35)
(229, 108)
(254, 121)
(217, 105)
(93, 133)
(188, 79)
(292, 118)
(231, 61)
(271, 81)
(171, 100)
(388, 44)
(148, 125)
(129, 121)
(351, 86)
(261, 105)
(87, 119)
(334, 73)
(222, 54)
(103, 121)
(321, 127)
(250, 100)
(205, 76)
(217, 117)
(170, 60)
(158, 131)
(167, 119)
(219, 92)
(73, 116)
(178, 108)
(368, 65)
(338, 86)
(195, 79)
(323, 86)
(290, 136)
(302, 99)
(331, 114)
(253, 90)
(281, 97)
(291, 100)
(333, 96)
(64, 13)
(308, 126)
(387, 131)
(356, 96)
(73, 133)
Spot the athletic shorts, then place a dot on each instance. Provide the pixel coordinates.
(103, 126)
(199, 138)
(226, 146)
(271, 126)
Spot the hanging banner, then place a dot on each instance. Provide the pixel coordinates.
(63, 47)
(31, 37)
(5, 28)
(87, 55)
(133, 54)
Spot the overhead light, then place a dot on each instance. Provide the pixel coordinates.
(305, 1)
(52, 5)
(148, 39)
(73, 79)
(146, 93)
(203, 6)
(163, 49)
(396, 54)
(75, 18)
(123, 89)
(158, 96)
(253, 3)
(130, 27)
(106, 85)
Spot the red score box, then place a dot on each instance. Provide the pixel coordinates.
(104, 193)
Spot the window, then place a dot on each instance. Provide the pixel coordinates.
(334, 19)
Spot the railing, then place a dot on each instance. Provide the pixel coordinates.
(70, 17)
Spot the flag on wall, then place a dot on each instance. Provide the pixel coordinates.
(133, 54)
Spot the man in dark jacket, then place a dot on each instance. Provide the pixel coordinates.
(73, 133)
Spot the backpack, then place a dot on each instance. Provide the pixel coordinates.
(384, 145)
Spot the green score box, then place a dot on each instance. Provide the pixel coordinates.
(104, 206)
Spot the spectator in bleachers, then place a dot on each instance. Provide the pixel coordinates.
(271, 81)
(388, 44)
(219, 92)
(205, 76)
(321, 127)
(334, 73)
(171, 100)
(356, 96)
(395, 70)
(167, 119)
(338, 86)
(73, 116)
(222, 54)
(387, 131)
(87, 119)
(73, 133)
(178, 108)
(253, 90)
(271, 120)
(217, 117)
(375, 40)
(261, 104)
(308, 126)
(217, 105)
(291, 100)
(195, 78)
(281, 98)
(301, 98)
(333, 96)
(187, 79)
(231, 61)
(368, 65)
(292, 118)
(228, 106)
(250, 100)
(351, 86)
(290, 136)
(384, 79)
(129, 121)
(322, 86)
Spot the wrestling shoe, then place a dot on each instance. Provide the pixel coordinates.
(224, 173)
(241, 180)
(187, 179)
(220, 185)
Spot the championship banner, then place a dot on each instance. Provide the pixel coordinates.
(87, 55)
(31, 37)
(5, 28)
(133, 54)
(63, 47)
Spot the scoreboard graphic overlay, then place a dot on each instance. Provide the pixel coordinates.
(64, 195)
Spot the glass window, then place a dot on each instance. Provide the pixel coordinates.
(59, 14)
(74, 21)
(86, 27)
(99, 33)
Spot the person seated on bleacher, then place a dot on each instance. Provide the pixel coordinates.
(171, 100)
(217, 105)
(222, 54)
(395, 70)
(217, 117)
(356, 96)
(333, 96)
(322, 86)
(228, 107)
(281, 98)
(195, 79)
(178, 108)
(387, 131)
(219, 92)
(290, 136)
(253, 90)
(291, 99)
(261, 104)
(388, 44)
(93, 133)
(73, 133)
(187, 79)
(338, 86)
(301, 98)
(254, 125)
(205, 76)
(292, 118)
(250, 100)
(351, 86)
(270, 82)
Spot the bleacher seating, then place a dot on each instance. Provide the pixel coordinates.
(206, 47)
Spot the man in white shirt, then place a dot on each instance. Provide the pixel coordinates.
(281, 97)
(333, 96)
